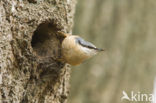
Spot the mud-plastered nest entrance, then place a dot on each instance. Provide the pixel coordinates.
(45, 42)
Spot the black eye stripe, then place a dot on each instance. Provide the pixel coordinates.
(85, 43)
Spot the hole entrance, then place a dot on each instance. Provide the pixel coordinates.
(45, 41)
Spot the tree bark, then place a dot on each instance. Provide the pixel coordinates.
(29, 48)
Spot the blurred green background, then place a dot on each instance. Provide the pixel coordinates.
(126, 29)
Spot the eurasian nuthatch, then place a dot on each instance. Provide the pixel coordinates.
(75, 49)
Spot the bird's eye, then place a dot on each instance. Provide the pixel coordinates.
(84, 43)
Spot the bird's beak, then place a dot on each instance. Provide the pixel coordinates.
(99, 49)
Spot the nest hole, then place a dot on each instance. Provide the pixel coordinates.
(44, 40)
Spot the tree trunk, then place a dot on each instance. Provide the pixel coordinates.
(29, 48)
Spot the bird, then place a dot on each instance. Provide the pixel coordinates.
(75, 50)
